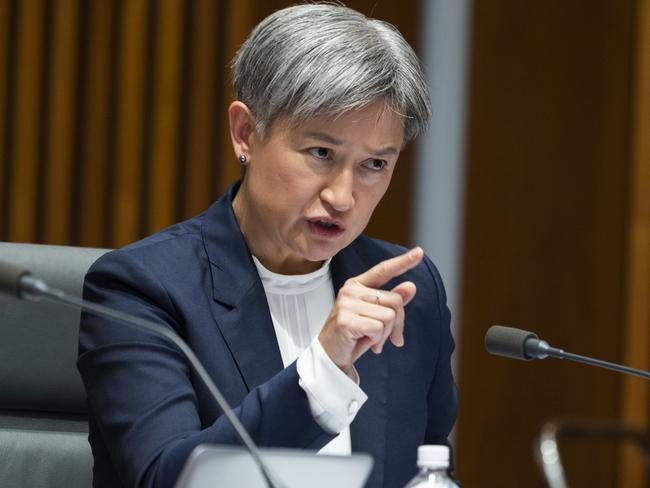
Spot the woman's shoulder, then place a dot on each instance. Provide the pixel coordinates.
(170, 242)
(154, 265)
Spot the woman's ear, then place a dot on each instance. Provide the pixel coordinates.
(242, 126)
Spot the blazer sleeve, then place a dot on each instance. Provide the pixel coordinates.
(139, 390)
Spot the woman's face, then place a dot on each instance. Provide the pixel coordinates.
(310, 189)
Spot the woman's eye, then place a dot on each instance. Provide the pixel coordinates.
(375, 164)
(320, 152)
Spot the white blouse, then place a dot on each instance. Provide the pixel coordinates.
(299, 306)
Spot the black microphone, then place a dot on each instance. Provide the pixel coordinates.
(521, 344)
(20, 283)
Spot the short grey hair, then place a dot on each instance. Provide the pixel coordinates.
(325, 59)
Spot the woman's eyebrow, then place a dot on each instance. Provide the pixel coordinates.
(323, 136)
(388, 151)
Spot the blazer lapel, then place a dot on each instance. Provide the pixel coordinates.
(241, 310)
(368, 431)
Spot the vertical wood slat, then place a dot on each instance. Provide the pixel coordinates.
(125, 210)
(201, 128)
(94, 131)
(60, 131)
(165, 130)
(240, 19)
(635, 405)
(5, 17)
(27, 83)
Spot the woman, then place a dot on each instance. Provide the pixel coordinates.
(274, 287)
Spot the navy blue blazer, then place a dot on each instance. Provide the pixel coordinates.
(147, 409)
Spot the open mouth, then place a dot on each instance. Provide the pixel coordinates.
(326, 227)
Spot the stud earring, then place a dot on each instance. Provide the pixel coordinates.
(242, 159)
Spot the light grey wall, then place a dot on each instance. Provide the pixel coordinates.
(440, 168)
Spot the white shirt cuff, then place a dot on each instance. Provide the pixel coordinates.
(334, 397)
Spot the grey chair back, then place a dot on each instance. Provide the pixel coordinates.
(43, 425)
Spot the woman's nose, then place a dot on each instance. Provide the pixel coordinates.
(338, 192)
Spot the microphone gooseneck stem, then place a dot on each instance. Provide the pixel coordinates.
(603, 364)
(537, 349)
(35, 289)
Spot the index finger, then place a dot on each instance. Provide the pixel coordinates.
(383, 272)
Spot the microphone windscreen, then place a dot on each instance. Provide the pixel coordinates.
(10, 275)
(508, 342)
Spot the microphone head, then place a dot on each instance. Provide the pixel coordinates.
(10, 276)
(508, 342)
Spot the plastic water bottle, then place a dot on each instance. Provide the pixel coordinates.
(433, 462)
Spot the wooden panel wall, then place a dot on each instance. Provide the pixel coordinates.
(635, 398)
(109, 113)
(113, 115)
(556, 231)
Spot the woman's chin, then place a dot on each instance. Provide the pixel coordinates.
(316, 249)
(323, 252)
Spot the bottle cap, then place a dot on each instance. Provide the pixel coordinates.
(435, 457)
